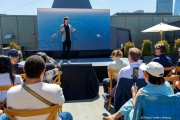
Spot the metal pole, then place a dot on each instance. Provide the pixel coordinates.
(161, 34)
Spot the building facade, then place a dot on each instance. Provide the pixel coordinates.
(27, 34)
(72, 4)
(164, 6)
(177, 7)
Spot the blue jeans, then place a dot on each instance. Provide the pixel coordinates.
(4, 117)
(63, 116)
(127, 110)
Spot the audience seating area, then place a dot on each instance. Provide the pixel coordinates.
(145, 105)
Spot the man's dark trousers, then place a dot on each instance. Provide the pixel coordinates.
(66, 44)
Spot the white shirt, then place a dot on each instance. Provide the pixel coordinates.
(5, 80)
(19, 98)
(118, 64)
(127, 71)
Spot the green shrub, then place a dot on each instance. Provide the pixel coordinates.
(13, 45)
(146, 48)
(176, 46)
(166, 45)
(127, 46)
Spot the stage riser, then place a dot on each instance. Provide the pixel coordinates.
(74, 54)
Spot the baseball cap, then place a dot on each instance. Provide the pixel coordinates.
(153, 68)
(14, 53)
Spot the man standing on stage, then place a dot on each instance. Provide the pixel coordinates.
(66, 30)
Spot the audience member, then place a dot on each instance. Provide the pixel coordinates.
(7, 76)
(134, 56)
(13, 54)
(19, 98)
(117, 63)
(49, 75)
(162, 59)
(178, 62)
(153, 74)
(177, 85)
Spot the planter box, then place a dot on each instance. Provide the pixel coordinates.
(147, 59)
(174, 58)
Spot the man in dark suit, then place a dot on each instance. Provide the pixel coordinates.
(162, 58)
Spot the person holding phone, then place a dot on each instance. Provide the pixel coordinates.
(134, 56)
(157, 86)
(66, 30)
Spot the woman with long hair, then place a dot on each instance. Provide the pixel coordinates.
(7, 76)
(153, 74)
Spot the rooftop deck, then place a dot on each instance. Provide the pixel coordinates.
(90, 109)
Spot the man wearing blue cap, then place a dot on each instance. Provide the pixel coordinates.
(13, 54)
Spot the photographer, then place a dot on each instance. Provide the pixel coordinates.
(48, 75)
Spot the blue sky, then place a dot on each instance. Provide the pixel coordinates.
(29, 7)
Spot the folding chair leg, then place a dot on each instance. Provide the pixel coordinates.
(109, 104)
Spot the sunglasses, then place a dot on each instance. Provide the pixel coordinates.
(157, 48)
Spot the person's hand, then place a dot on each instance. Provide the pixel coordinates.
(62, 29)
(134, 90)
(74, 30)
(47, 57)
(1, 112)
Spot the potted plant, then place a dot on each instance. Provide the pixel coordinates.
(13, 45)
(175, 55)
(167, 47)
(147, 51)
(127, 46)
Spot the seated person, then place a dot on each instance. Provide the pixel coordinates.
(7, 76)
(177, 85)
(134, 56)
(178, 62)
(49, 75)
(13, 54)
(116, 64)
(162, 59)
(19, 98)
(153, 74)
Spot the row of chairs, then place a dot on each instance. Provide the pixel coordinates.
(26, 113)
(56, 80)
(169, 77)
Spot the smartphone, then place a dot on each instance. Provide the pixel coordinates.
(135, 72)
(135, 75)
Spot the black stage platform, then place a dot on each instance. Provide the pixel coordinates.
(99, 65)
(74, 53)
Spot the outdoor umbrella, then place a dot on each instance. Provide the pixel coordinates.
(161, 28)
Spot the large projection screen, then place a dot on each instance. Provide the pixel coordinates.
(92, 28)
